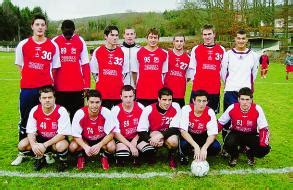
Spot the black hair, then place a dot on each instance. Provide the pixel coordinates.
(200, 93)
(127, 88)
(109, 29)
(94, 93)
(165, 91)
(46, 89)
(246, 92)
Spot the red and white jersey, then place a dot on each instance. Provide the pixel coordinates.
(205, 123)
(206, 63)
(73, 54)
(250, 122)
(150, 68)
(127, 121)
(152, 120)
(110, 67)
(48, 125)
(175, 78)
(37, 61)
(239, 69)
(92, 129)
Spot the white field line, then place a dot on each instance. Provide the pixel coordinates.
(4, 173)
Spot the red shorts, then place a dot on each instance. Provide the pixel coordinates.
(264, 66)
(289, 68)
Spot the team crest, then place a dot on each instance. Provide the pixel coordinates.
(73, 50)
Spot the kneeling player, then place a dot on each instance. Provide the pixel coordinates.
(158, 126)
(127, 116)
(199, 129)
(47, 126)
(249, 128)
(92, 129)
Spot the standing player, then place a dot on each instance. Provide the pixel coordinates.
(92, 129)
(249, 127)
(264, 63)
(47, 126)
(199, 129)
(73, 77)
(107, 64)
(176, 77)
(206, 61)
(150, 69)
(127, 116)
(239, 69)
(158, 126)
(129, 48)
(36, 58)
(289, 64)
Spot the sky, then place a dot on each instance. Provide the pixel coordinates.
(70, 9)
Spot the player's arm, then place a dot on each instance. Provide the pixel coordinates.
(97, 147)
(224, 67)
(94, 66)
(255, 66)
(19, 56)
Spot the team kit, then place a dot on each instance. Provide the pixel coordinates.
(137, 106)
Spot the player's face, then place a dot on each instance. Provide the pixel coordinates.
(39, 27)
(129, 36)
(47, 100)
(241, 41)
(94, 104)
(178, 43)
(113, 37)
(127, 98)
(245, 102)
(208, 36)
(200, 103)
(165, 102)
(153, 40)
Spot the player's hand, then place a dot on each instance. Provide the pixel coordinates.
(95, 149)
(39, 149)
(203, 154)
(88, 151)
(196, 153)
(133, 150)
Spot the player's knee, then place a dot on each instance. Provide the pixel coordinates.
(73, 146)
(61, 146)
(262, 151)
(214, 148)
(172, 142)
(111, 147)
(24, 145)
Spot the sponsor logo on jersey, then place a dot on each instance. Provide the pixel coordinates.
(73, 50)
(68, 58)
(110, 72)
(151, 67)
(34, 65)
(176, 73)
(207, 66)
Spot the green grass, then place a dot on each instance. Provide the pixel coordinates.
(274, 94)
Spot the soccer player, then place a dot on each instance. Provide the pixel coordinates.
(36, 58)
(158, 126)
(129, 48)
(127, 116)
(151, 66)
(176, 77)
(239, 69)
(249, 127)
(48, 125)
(289, 64)
(199, 129)
(107, 64)
(264, 63)
(92, 129)
(73, 77)
(206, 60)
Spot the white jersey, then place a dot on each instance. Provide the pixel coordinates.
(239, 69)
(130, 60)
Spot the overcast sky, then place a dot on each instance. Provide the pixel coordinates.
(69, 9)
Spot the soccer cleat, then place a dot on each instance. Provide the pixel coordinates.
(250, 160)
(80, 162)
(39, 164)
(18, 160)
(62, 166)
(49, 158)
(184, 160)
(172, 162)
(224, 153)
(233, 162)
(104, 162)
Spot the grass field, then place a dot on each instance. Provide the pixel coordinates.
(274, 94)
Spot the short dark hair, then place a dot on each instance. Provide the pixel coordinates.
(93, 93)
(46, 89)
(153, 31)
(241, 31)
(200, 93)
(91, 51)
(127, 88)
(208, 27)
(178, 35)
(109, 29)
(246, 92)
(67, 24)
(39, 17)
(165, 91)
